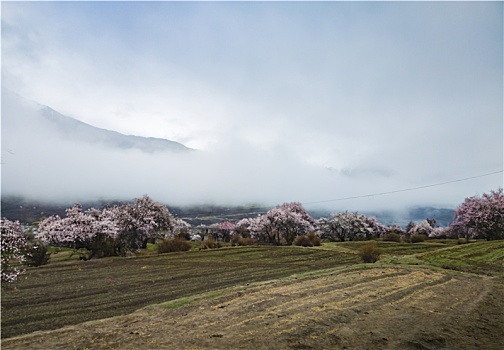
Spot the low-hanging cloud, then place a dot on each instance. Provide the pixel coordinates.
(284, 101)
(40, 164)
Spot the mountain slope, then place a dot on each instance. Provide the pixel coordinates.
(18, 115)
(77, 130)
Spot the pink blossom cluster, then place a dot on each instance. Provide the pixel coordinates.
(396, 229)
(78, 227)
(261, 229)
(346, 225)
(225, 230)
(243, 227)
(281, 224)
(226, 226)
(143, 215)
(481, 217)
(440, 232)
(12, 244)
(180, 227)
(129, 225)
(422, 228)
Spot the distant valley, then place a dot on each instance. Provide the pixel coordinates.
(29, 211)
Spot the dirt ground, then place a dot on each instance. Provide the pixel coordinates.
(381, 307)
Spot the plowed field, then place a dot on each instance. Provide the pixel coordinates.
(72, 292)
(446, 298)
(355, 308)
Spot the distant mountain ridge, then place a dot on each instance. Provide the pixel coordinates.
(443, 216)
(18, 113)
(77, 130)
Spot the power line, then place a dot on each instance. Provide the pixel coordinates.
(259, 210)
(404, 189)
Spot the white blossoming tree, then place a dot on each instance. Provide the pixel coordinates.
(226, 229)
(422, 228)
(282, 224)
(115, 231)
(181, 228)
(12, 244)
(481, 217)
(243, 227)
(141, 221)
(91, 233)
(349, 226)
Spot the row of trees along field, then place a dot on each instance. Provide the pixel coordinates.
(125, 229)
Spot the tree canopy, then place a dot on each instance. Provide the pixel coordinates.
(481, 217)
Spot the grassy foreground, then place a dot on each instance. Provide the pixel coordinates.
(480, 257)
(71, 292)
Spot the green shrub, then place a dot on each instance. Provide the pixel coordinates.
(416, 238)
(370, 252)
(246, 241)
(36, 254)
(210, 243)
(184, 234)
(174, 245)
(235, 240)
(303, 241)
(392, 237)
(314, 239)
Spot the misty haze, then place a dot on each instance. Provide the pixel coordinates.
(239, 104)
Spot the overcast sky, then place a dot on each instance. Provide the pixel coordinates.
(292, 101)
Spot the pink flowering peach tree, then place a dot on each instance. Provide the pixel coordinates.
(225, 230)
(349, 226)
(112, 231)
(13, 243)
(481, 217)
(180, 229)
(282, 224)
(243, 227)
(141, 221)
(422, 228)
(91, 233)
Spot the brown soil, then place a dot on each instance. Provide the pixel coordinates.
(383, 307)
